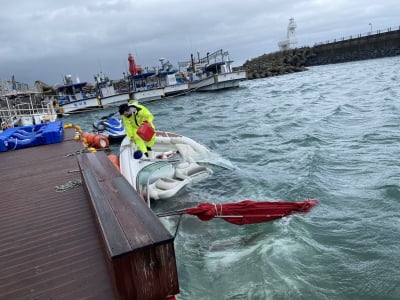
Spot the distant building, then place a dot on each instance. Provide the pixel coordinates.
(10, 86)
(291, 41)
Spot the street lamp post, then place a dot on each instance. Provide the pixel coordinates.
(370, 28)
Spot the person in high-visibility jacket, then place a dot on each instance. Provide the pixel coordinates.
(133, 115)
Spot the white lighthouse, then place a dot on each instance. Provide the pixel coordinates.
(291, 41)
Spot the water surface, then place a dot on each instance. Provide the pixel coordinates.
(330, 133)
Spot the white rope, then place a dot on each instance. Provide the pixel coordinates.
(16, 143)
(217, 214)
(220, 215)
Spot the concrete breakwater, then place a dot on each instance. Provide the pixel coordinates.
(278, 63)
(380, 44)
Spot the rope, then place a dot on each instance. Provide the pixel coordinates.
(16, 143)
(85, 150)
(69, 185)
(72, 154)
(177, 227)
(217, 214)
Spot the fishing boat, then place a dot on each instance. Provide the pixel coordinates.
(72, 97)
(144, 87)
(174, 162)
(138, 85)
(212, 72)
(174, 82)
(110, 127)
(112, 93)
(24, 108)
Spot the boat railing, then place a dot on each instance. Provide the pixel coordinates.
(10, 116)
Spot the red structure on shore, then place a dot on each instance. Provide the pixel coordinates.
(133, 68)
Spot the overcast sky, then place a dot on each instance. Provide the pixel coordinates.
(48, 39)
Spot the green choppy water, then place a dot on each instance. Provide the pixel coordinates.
(331, 133)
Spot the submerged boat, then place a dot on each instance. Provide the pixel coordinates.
(110, 127)
(175, 162)
(213, 72)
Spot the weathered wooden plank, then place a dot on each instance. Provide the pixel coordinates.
(154, 268)
(111, 231)
(49, 247)
(141, 251)
(134, 211)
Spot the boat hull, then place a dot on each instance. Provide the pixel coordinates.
(115, 100)
(149, 95)
(79, 106)
(219, 81)
(172, 166)
(176, 89)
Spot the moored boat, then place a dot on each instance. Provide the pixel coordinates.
(142, 85)
(213, 72)
(112, 92)
(139, 85)
(72, 98)
(174, 82)
(145, 88)
(21, 108)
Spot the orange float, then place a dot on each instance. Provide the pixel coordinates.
(114, 159)
(97, 141)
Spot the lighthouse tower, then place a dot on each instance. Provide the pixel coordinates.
(291, 41)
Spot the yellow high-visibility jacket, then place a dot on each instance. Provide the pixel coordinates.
(132, 123)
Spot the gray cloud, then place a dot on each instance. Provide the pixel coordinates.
(45, 40)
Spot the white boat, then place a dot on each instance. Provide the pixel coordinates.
(172, 87)
(174, 163)
(72, 98)
(138, 85)
(213, 72)
(140, 89)
(144, 87)
(111, 93)
(173, 82)
(19, 108)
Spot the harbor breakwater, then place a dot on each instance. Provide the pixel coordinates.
(360, 47)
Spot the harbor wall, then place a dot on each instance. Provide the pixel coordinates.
(359, 47)
(380, 44)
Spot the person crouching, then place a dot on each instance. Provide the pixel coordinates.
(133, 116)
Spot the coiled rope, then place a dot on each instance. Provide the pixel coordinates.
(69, 185)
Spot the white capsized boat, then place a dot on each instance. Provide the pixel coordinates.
(173, 164)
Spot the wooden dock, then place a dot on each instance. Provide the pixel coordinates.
(50, 243)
